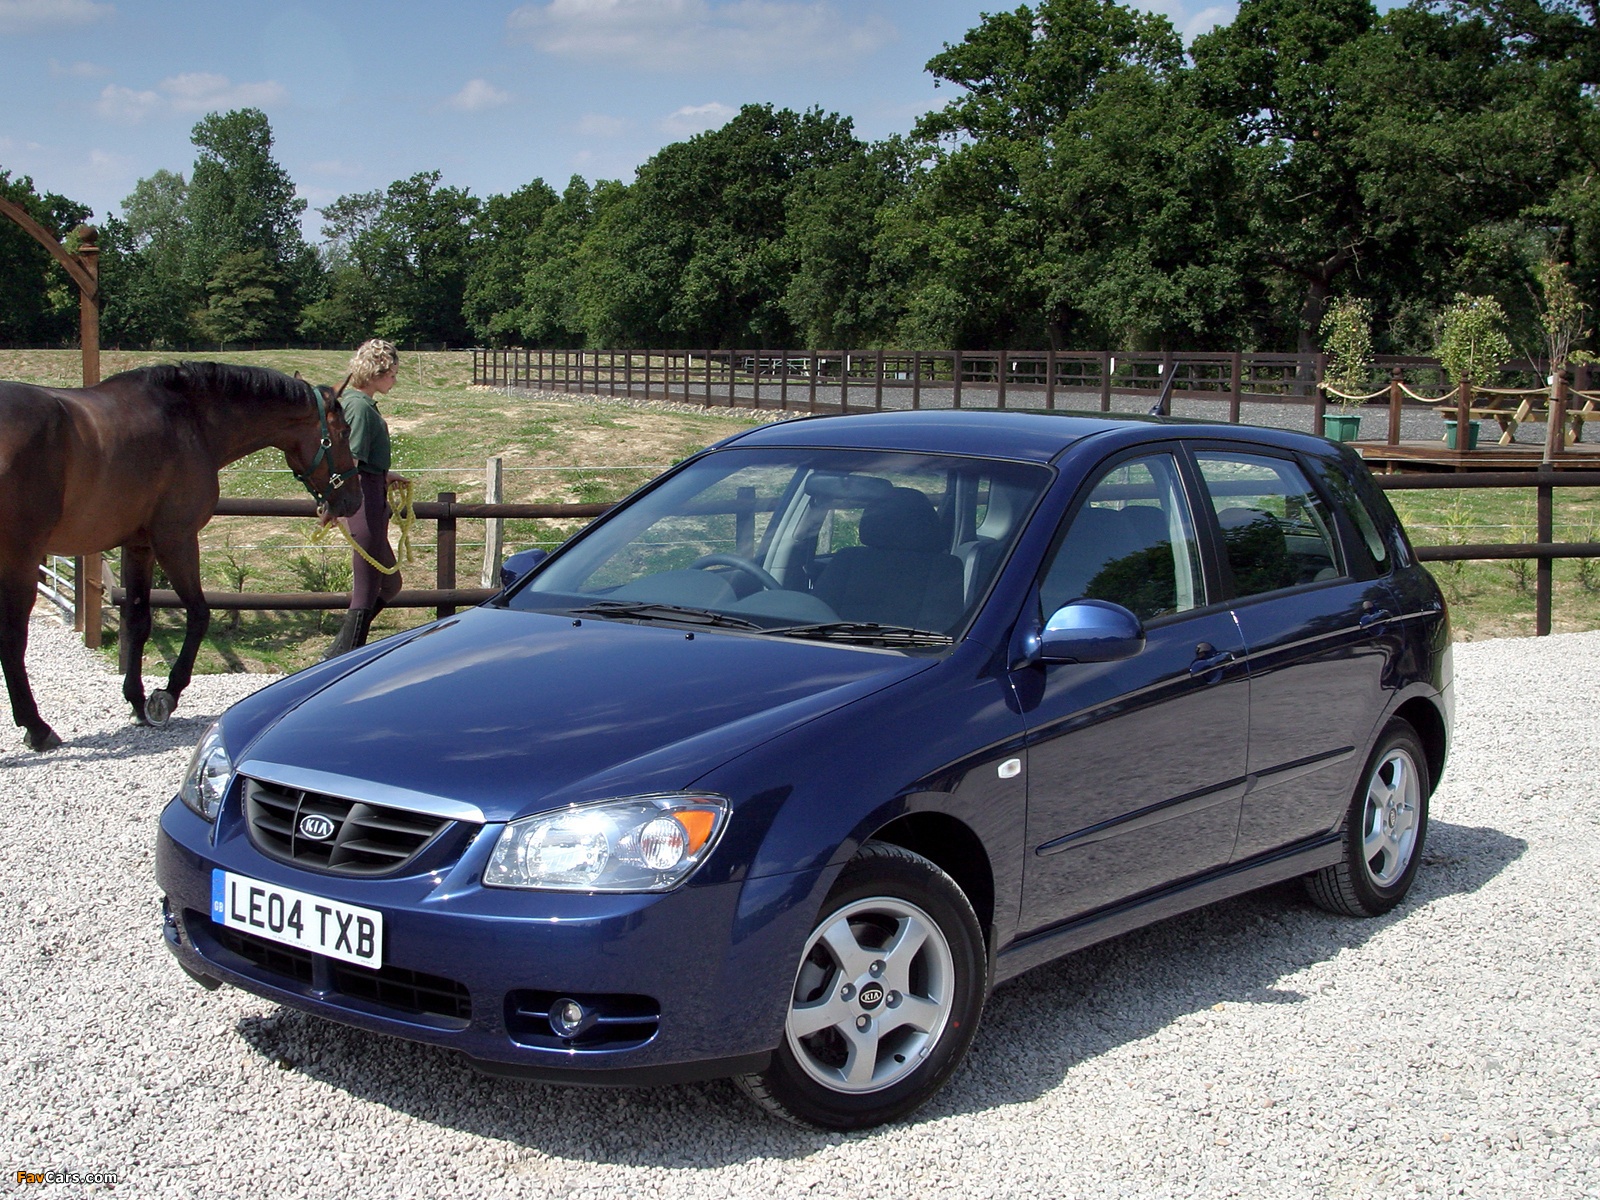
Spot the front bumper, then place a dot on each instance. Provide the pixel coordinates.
(695, 981)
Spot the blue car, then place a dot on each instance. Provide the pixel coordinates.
(776, 770)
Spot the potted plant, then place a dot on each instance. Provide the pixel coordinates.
(1347, 338)
(1472, 345)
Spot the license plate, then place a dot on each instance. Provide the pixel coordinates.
(280, 914)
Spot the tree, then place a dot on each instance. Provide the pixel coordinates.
(243, 299)
(398, 262)
(693, 253)
(146, 298)
(41, 302)
(241, 200)
(504, 237)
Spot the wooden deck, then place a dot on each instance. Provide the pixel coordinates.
(1489, 456)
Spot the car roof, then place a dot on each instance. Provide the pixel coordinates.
(1025, 436)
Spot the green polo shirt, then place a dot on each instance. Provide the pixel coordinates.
(369, 432)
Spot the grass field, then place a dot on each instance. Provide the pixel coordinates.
(588, 450)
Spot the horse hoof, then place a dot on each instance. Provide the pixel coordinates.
(49, 741)
(159, 707)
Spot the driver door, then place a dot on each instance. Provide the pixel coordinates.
(1136, 768)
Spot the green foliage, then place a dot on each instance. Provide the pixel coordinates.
(1472, 339)
(243, 304)
(1347, 341)
(1561, 313)
(29, 274)
(146, 297)
(397, 264)
(241, 202)
(505, 252)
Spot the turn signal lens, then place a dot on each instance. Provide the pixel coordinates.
(636, 844)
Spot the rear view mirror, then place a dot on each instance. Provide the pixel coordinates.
(519, 564)
(1091, 631)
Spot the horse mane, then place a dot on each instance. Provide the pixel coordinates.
(203, 380)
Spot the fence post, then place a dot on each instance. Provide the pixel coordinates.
(844, 381)
(1581, 383)
(79, 598)
(1463, 415)
(1108, 364)
(877, 400)
(1050, 378)
(708, 378)
(1542, 579)
(494, 527)
(1002, 369)
(813, 401)
(755, 381)
(916, 379)
(627, 372)
(445, 567)
(733, 379)
(1395, 396)
(1235, 386)
(744, 523)
(955, 371)
(1319, 402)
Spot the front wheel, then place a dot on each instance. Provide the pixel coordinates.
(886, 1000)
(1383, 832)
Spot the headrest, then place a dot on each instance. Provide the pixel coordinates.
(903, 520)
(846, 490)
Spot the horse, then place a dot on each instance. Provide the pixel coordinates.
(133, 462)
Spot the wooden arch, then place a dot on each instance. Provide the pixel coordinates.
(84, 267)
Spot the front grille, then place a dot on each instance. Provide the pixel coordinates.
(396, 988)
(367, 839)
(408, 991)
(624, 1022)
(288, 961)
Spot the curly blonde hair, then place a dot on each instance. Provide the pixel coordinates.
(372, 359)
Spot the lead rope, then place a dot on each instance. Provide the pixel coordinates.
(400, 504)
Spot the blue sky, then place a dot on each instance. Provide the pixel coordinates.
(95, 94)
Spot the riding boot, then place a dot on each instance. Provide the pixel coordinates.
(369, 614)
(351, 634)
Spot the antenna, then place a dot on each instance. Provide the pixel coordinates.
(1163, 406)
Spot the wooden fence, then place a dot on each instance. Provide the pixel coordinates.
(445, 596)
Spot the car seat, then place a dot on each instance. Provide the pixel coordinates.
(902, 573)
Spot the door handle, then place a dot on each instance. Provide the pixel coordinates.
(1208, 659)
(1371, 614)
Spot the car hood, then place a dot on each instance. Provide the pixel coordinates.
(519, 712)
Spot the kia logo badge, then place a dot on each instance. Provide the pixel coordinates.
(871, 995)
(316, 827)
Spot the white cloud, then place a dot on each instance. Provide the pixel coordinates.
(478, 94)
(697, 118)
(1191, 18)
(688, 35)
(189, 93)
(30, 16)
(601, 126)
(77, 70)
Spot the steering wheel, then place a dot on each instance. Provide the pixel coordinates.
(742, 565)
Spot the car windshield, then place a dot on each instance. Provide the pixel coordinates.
(856, 546)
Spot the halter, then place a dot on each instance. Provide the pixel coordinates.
(336, 479)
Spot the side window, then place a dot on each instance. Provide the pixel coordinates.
(1370, 554)
(1277, 529)
(1132, 542)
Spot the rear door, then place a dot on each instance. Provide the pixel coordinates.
(1316, 625)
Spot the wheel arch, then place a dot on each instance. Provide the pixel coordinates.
(1424, 716)
(952, 846)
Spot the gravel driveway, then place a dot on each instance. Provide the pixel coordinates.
(1259, 1047)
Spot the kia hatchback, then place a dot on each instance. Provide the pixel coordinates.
(777, 769)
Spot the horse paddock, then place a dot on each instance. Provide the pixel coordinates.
(1259, 1047)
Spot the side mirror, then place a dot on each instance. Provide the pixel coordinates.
(520, 564)
(1091, 631)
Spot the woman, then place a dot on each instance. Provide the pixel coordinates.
(372, 373)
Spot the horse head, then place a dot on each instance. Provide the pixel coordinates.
(320, 456)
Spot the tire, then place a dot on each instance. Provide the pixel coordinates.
(852, 1056)
(1384, 830)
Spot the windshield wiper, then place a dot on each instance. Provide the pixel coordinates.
(646, 610)
(866, 631)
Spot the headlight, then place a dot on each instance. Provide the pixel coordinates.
(640, 844)
(206, 780)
